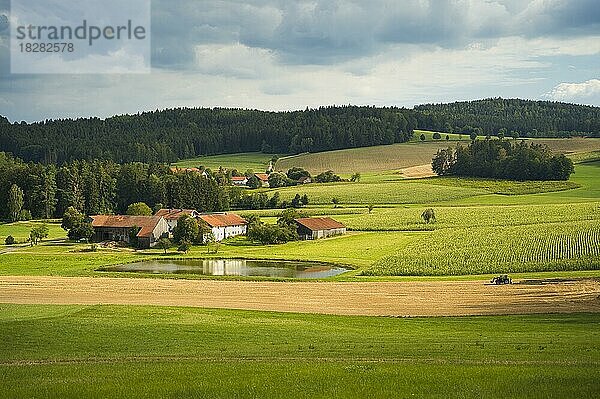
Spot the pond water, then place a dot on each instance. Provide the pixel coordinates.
(232, 267)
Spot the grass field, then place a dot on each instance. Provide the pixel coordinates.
(142, 351)
(256, 161)
(407, 219)
(20, 230)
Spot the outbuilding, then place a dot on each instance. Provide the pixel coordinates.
(318, 227)
(147, 229)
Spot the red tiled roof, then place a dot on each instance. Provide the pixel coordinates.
(146, 223)
(177, 169)
(316, 224)
(174, 214)
(223, 219)
(262, 176)
(238, 178)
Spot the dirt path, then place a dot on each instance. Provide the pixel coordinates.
(418, 298)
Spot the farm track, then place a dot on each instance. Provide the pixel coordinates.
(412, 298)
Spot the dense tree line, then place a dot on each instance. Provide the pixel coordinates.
(97, 187)
(501, 159)
(525, 118)
(168, 135)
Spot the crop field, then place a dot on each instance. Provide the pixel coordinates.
(403, 155)
(400, 192)
(366, 159)
(505, 187)
(407, 219)
(84, 351)
(499, 249)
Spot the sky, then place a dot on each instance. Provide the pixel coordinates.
(286, 55)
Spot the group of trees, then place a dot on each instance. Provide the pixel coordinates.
(500, 159)
(285, 230)
(510, 117)
(95, 187)
(168, 135)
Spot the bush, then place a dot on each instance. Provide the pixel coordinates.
(10, 240)
(437, 136)
(327, 177)
(184, 246)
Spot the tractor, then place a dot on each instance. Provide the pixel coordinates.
(502, 279)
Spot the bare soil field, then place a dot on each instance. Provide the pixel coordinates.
(418, 172)
(411, 298)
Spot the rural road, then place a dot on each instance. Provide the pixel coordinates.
(412, 298)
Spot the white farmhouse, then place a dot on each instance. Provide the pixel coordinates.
(172, 215)
(225, 225)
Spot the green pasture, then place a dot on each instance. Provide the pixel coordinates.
(20, 230)
(144, 351)
(256, 161)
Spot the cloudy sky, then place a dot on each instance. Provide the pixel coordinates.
(283, 54)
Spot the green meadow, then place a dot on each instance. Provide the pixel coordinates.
(144, 351)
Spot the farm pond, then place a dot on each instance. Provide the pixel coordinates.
(231, 267)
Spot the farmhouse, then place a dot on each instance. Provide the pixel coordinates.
(225, 225)
(264, 179)
(147, 229)
(313, 228)
(304, 180)
(171, 215)
(239, 180)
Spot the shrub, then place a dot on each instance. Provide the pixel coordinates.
(437, 136)
(10, 240)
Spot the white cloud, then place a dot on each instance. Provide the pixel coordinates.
(586, 92)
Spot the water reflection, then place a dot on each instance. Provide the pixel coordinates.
(232, 267)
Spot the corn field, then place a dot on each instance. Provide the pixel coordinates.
(480, 250)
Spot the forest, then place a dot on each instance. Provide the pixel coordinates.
(501, 159)
(34, 190)
(173, 134)
(511, 117)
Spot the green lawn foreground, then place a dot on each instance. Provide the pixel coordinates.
(105, 351)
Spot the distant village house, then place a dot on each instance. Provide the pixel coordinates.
(239, 180)
(318, 227)
(264, 179)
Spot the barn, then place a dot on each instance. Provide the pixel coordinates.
(318, 227)
(147, 229)
(225, 225)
